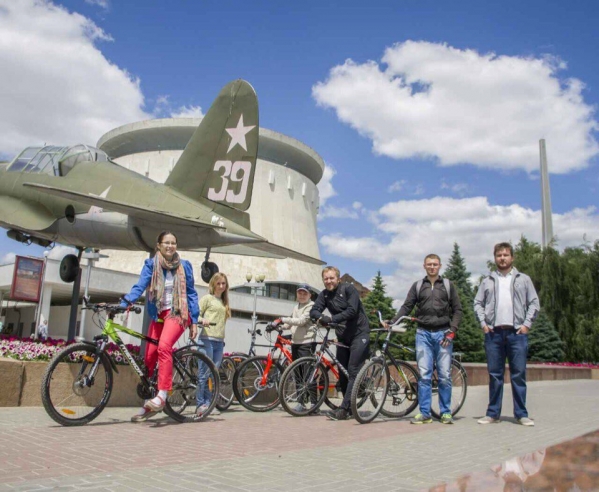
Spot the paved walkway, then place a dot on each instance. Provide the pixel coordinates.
(245, 451)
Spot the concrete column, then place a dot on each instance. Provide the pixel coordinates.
(45, 308)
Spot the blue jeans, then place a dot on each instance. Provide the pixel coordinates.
(214, 350)
(499, 344)
(430, 353)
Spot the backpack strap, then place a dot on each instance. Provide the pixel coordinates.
(447, 285)
(418, 287)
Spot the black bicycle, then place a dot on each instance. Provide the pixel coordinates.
(77, 384)
(389, 386)
(311, 381)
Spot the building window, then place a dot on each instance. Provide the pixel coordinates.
(275, 290)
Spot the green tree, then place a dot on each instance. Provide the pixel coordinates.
(377, 300)
(470, 338)
(544, 343)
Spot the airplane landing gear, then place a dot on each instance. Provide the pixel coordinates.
(208, 268)
(69, 268)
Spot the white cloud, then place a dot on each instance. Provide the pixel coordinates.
(100, 3)
(56, 85)
(7, 258)
(188, 112)
(410, 229)
(325, 185)
(457, 188)
(333, 212)
(396, 186)
(461, 106)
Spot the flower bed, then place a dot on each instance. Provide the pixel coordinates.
(588, 365)
(26, 349)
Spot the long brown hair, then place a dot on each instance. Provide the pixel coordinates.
(225, 295)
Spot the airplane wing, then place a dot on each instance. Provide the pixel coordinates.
(121, 207)
(265, 250)
(24, 214)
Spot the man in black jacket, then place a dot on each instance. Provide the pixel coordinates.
(439, 312)
(345, 306)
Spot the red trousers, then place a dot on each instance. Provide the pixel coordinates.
(167, 332)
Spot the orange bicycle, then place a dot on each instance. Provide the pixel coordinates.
(256, 380)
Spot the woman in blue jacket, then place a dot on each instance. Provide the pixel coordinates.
(173, 306)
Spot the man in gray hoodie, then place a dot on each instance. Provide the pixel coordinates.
(506, 305)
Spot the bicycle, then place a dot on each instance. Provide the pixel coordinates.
(402, 382)
(256, 380)
(77, 384)
(310, 379)
(385, 376)
(227, 370)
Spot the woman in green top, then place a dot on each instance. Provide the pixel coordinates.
(215, 311)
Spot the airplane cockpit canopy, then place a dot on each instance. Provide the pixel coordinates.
(54, 160)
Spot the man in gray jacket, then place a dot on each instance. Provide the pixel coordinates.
(506, 305)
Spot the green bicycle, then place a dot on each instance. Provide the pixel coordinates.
(78, 381)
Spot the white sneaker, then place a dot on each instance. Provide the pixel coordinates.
(215, 411)
(201, 410)
(526, 421)
(488, 420)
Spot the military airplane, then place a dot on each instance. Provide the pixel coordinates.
(77, 196)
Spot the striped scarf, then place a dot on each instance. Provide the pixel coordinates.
(156, 288)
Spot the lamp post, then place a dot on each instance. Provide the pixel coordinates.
(91, 256)
(258, 284)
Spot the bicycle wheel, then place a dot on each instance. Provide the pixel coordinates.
(369, 391)
(256, 389)
(189, 366)
(76, 386)
(334, 396)
(402, 395)
(459, 388)
(226, 372)
(303, 387)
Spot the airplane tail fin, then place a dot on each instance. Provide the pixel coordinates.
(219, 160)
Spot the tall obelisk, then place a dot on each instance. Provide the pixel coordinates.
(545, 197)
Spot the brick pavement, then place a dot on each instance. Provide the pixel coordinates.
(241, 450)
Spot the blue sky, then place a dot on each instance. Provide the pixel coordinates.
(428, 113)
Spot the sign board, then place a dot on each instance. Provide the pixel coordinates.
(27, 279)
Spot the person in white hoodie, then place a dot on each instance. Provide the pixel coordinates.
(303, 330)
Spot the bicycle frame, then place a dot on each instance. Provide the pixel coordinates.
(240, 356)
(110, 331)
(270, 360)
(332, 363)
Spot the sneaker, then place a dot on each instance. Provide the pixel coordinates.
(299, 408)
(316, 411)
(143, 415)
(488, 420)
(446, 418)
(340, 414)
(201, 410)
(421, 419)
(215, 411)
(526, 421)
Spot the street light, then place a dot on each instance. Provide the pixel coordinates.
(91, 256)
(258, 284)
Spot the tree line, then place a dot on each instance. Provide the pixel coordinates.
(567, 282)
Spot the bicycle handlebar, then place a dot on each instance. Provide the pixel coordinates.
(398, 321)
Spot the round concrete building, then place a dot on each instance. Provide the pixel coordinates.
(284, 204)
